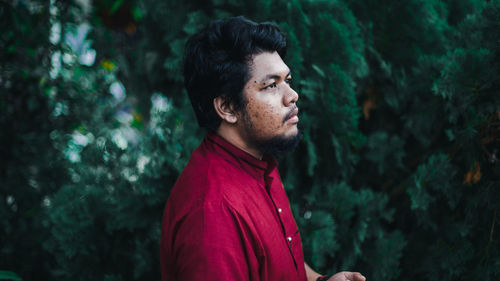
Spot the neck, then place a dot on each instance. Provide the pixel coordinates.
(230, 133)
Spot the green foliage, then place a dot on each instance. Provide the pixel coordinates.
(8, 275)
(397, 175)
(31, 168)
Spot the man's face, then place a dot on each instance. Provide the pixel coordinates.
(270, 116)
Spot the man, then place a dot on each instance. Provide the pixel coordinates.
(228, 217)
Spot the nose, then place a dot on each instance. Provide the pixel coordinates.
(290, 96)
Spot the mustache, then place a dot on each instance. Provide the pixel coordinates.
(292, 112)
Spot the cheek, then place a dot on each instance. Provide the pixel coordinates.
(265, 115)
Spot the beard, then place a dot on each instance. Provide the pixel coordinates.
(277, 146)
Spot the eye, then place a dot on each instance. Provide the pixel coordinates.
(289, 80)
(272, 85)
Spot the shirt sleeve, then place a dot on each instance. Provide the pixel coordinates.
(215, 243)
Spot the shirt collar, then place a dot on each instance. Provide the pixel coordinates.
(256, 167)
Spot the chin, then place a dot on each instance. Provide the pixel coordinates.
(278, 146)
(292, 132)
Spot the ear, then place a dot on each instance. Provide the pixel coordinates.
(225, 110)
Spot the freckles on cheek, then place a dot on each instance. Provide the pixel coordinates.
(270, 117)
(263, 116)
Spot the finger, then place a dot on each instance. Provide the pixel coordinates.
(358, 277)
(354, 276)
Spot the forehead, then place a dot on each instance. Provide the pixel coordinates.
(267, 63)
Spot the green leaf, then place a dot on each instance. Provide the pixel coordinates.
(116, 6)
(9, 275)
(137, 14)
(319, 71)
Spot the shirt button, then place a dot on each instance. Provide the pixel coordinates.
(279, 210)
(289, 238)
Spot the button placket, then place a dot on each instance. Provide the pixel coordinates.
(286, 235)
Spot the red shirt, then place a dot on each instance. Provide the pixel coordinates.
(228, 218)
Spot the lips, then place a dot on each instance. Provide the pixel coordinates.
(292, 116)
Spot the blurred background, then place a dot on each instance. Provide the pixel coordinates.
(397, 175)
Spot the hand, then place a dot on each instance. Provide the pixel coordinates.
(347, 276)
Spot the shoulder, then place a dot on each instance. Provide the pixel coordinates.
(209, 179)
(228, 184)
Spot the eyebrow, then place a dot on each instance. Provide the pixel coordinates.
(273, 76)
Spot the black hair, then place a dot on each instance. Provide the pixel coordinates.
(216, 63)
